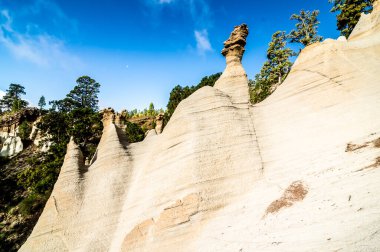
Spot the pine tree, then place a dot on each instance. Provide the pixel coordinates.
(42, 102)
(306, 28)
(84, 94)
(78, 115)
(349, 13)
(274, 70)
(278, 64)
(259, 88)
(12, 98)
(151, 111)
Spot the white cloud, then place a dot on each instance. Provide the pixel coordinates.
(2, 93)
(165, 1)
(203, 42)
(41, 49)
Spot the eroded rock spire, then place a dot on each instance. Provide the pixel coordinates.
(234, 81)
(234, 45)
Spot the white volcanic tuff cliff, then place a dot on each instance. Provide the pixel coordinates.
(10, 141)
(297, 172)
(11, 144)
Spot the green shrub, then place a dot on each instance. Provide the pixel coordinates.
(32, 203)
(134, 132)
(24, 130)
(43, 170)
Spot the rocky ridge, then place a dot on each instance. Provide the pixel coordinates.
(297, 172)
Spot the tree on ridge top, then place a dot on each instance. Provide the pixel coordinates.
(349, 13)
(12, 99)
(42, 102)
(306, 28)
(85, 93)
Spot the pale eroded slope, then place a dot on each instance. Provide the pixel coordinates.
(297, 172)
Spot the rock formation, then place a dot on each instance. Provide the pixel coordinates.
(10, 142)
(159, 123)
(297, 172)
(234, 45)
(233, 81)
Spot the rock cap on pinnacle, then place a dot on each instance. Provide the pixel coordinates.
(234, 45)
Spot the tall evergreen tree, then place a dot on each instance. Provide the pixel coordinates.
(274, 70)
(12, 98)
(78, 116)
(349, 12)
(84, 94)
(259, 88)
(306, 28)
(151, 110)
(278, 64)
(42, 102)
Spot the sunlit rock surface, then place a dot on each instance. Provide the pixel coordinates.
(10, 141)
(11, 144)
(297, 172)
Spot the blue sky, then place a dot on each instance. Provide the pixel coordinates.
(138, 50)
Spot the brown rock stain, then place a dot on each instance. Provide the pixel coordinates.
(376, 143)
(180, 212)
(137, 236)
(353, 147)
(374, 165)
(295, 192)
